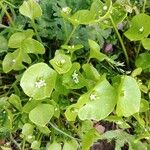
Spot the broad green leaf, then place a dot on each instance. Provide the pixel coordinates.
(82, 17)
(30, 105)
(71, 112)
(143, 61)
(95, 51)
(86, 126)
(72, 48)
(38, 81)
(136, 72)
(139, 119)
(31, 9)
(91, 72)
(97, 8)
(61, 63)
(60, 88)
(45, 130)
(54, 146)
(36, 145)
(129, 97)
(89, 138)
(144, 106)
(139, 27)
(27, 129)
(101, 102)
(15, 101)
(15, 41)
(118, 13)
(70, 145)
(101, 10)
(13, 61)
(4, 44)
(32, 46)
(73, 79)
(41, 114)
(146, 43)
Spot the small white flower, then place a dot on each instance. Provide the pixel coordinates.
(40, 84)
(147, 138)
(72, 46)
(13, 60)
(65, 9)
(56, 109)
(105, 8)
(141, 29)
(105, 21)
(75, 77)
(119, 122)
(62, 61)
(29, 136)
(92, 97)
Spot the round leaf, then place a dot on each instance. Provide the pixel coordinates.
(41, 114)
(61, 63)
(129, 97)
(139, 27)
(146, 43)
(143, 61)
(27, 129)
(30, 9)
(102, 100)
(38, 81)
(33, 46)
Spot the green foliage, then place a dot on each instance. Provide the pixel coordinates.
(30, 9)
(67, 71)
(41, 114)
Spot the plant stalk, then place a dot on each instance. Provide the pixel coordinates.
(144, 6)
(120, 39)
(62, 132)
(7, 14)
(36, 32)
(69, 37)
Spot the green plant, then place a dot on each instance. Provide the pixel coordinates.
(58, 98)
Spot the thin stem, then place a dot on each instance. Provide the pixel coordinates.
(14, 141)
(69, 37)
(138, 50)
(35, 29)
(23, 144)
(62, 132)
(13, 6)
(120, 39)
(144, 5)
(7, 14)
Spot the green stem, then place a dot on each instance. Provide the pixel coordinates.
(138, 50)
(35, 29)
(69, 37)
(7, 14)
(23, 144)
(120, 39)
(62, 132)
(13, 6)
(14, 141)
(144, 5)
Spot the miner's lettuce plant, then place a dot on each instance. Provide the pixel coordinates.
(54, 104)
